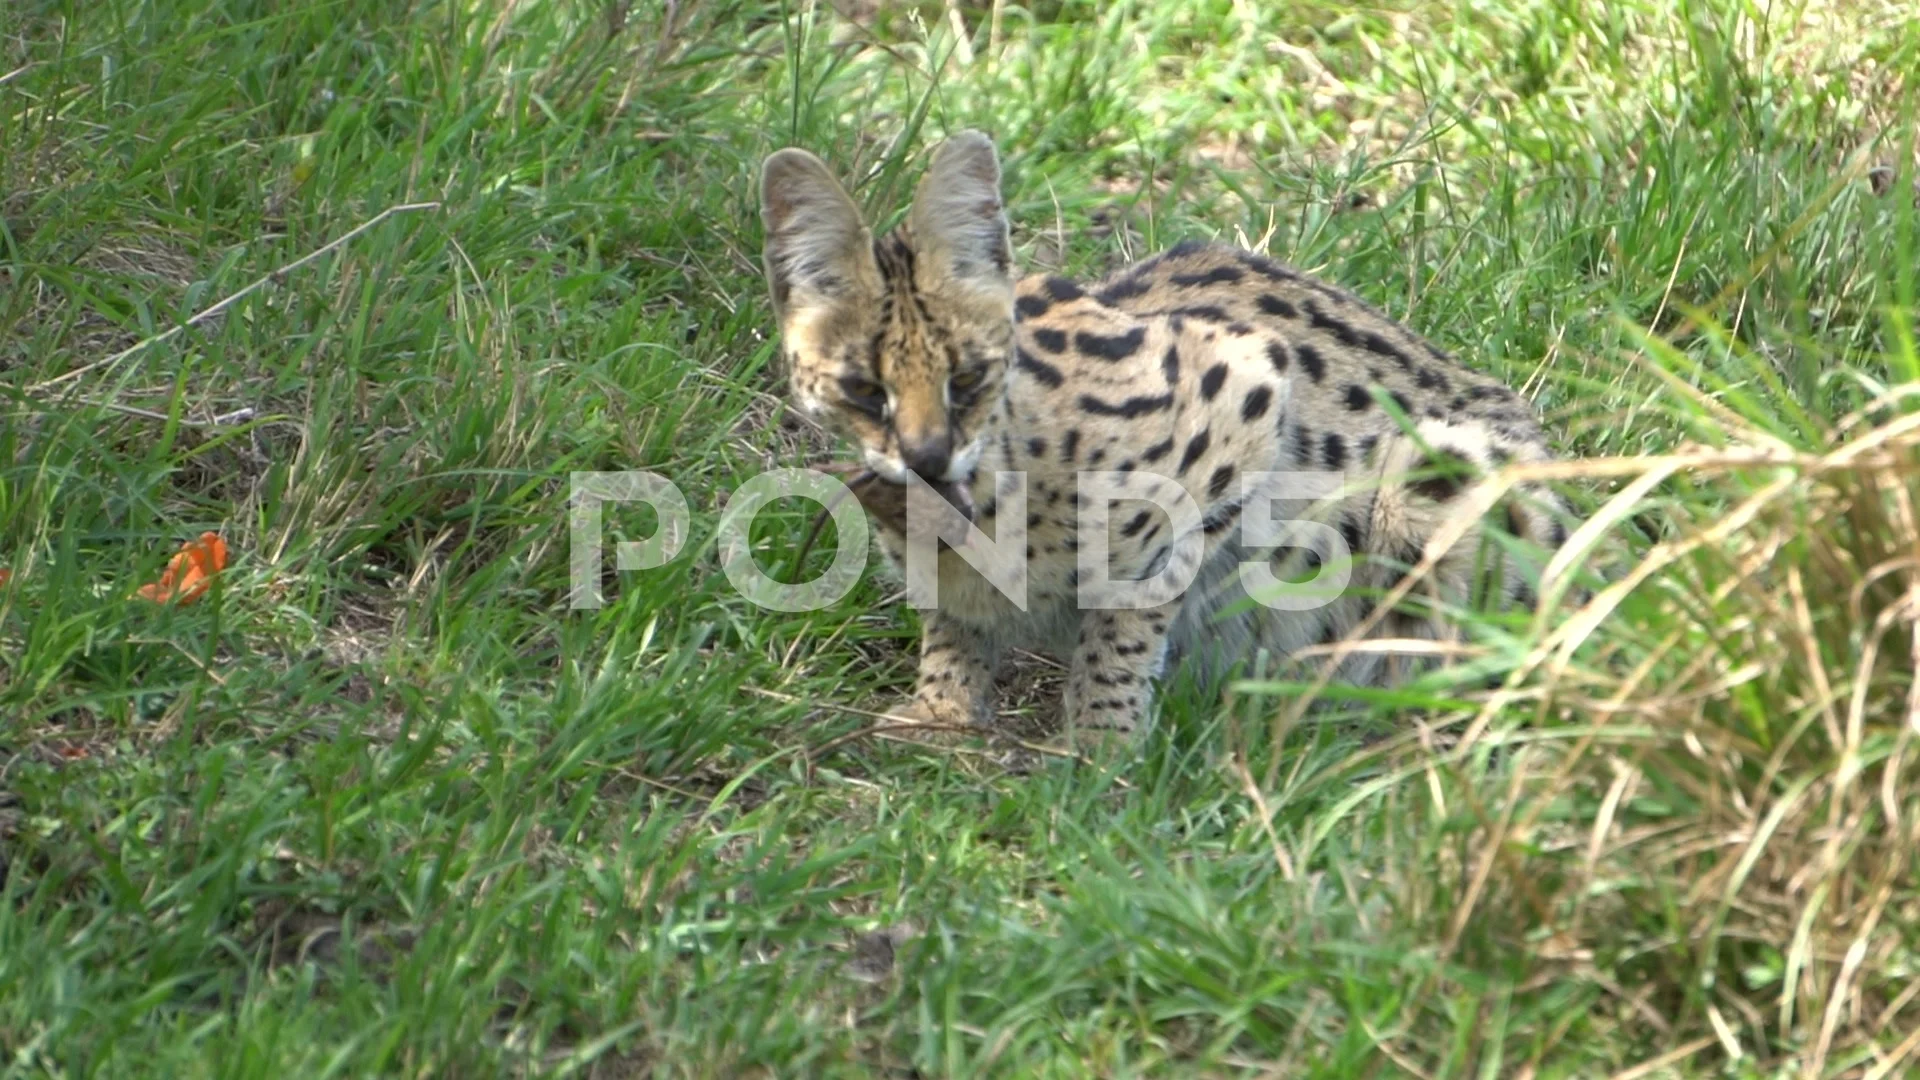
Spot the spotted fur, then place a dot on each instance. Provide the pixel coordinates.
(1192, 370)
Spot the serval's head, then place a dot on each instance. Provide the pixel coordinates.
(901, 343)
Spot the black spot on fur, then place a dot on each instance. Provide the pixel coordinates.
(1170, 365)
(1400, 399)
(1326, 323)
(1274, 305)
(1212, 381)
(1429, 379)
(1266, 267)
(1062, 290)
(1440, 488)
(1125, 289)
(1277, 356)
(1311, 360)
(1047, 374)
(1031, 306)
(1037, 446)
(1380, 346)
(1054, 341)
(1204, 312)
(1140, 521)
(1111, 347)
(1308, 559)
(1219, 275)
(1159, 450)
(1217, 483)
(1220, 517)
(1069, 445)
(1254, 405)
(1335, 449)
(1196, 446)
(1132, 407)
(1350, 532)
(1357, 397)
(1302, 445)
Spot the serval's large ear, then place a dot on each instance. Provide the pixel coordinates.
(958, 221)
(818, 251)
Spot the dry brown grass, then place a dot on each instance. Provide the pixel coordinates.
(1718, 830)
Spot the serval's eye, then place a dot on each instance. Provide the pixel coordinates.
(968, 379)
(864, 394)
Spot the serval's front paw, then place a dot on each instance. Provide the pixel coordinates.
(1103, 714)
(936, 721)
(1099, 740)
(1100, 729)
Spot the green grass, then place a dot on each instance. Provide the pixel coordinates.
(383, 804)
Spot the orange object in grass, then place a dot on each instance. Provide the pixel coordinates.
(190, 572)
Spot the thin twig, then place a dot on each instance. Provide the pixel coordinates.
(222, 305)
(1043, 661)
(1280, 856)
(1654, 1065)
(182, 650)
(661, 784)
(892, 726)
(820, 519)
(232, 419)
(1892, 1061)
(1386, 1047)
(893, 722)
